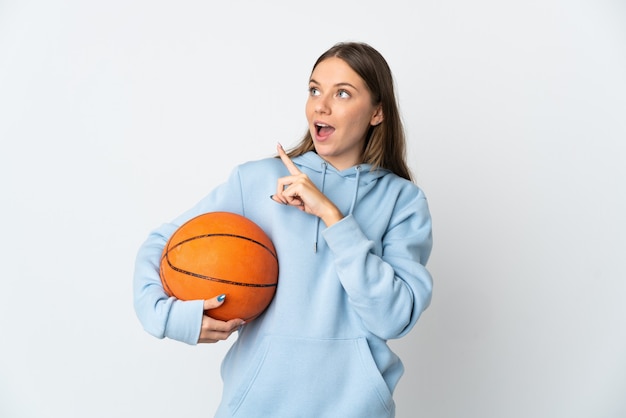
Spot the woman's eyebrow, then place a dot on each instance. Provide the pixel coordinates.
(342, 84)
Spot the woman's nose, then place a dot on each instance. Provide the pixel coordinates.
(322, 106)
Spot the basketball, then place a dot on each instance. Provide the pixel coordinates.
(221, 253)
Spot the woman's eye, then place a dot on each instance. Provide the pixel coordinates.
(343, 94)
(313, 91)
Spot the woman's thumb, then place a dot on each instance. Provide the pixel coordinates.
(214, 302)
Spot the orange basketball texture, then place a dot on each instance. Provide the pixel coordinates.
(221, 253)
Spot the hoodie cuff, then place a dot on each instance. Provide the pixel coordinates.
(343, 234)
(184, 321)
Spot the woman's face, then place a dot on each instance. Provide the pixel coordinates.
(339, 111)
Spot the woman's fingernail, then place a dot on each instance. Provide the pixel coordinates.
(221, 298)
(277, 201)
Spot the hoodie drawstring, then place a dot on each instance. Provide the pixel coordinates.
(356, 188)
(317, 221)
(354, 196)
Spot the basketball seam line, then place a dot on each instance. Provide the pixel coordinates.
(215, 279)
(225, 235)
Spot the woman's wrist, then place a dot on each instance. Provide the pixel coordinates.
(332, 216)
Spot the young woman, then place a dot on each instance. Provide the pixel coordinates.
(353, 235)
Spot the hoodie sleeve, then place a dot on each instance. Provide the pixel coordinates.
(163, 316)
(389, 292)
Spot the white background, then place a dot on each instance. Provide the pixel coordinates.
(116, 116)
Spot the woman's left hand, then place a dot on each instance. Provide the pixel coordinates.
(298, 190)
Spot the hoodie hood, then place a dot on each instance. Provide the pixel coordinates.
(360, 174)
(316, 163)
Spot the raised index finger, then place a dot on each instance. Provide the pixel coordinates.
(293, 170)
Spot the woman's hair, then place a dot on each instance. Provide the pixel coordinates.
(385, 143)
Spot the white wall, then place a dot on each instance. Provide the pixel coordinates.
(116, 116)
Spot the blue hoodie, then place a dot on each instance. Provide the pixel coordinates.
(320, 348)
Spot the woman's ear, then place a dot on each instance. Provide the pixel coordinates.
(378, 116)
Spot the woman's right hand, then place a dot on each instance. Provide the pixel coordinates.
(214, 330)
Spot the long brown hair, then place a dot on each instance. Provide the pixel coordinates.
(385, 144)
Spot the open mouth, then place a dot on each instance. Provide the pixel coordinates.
(323, 130)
